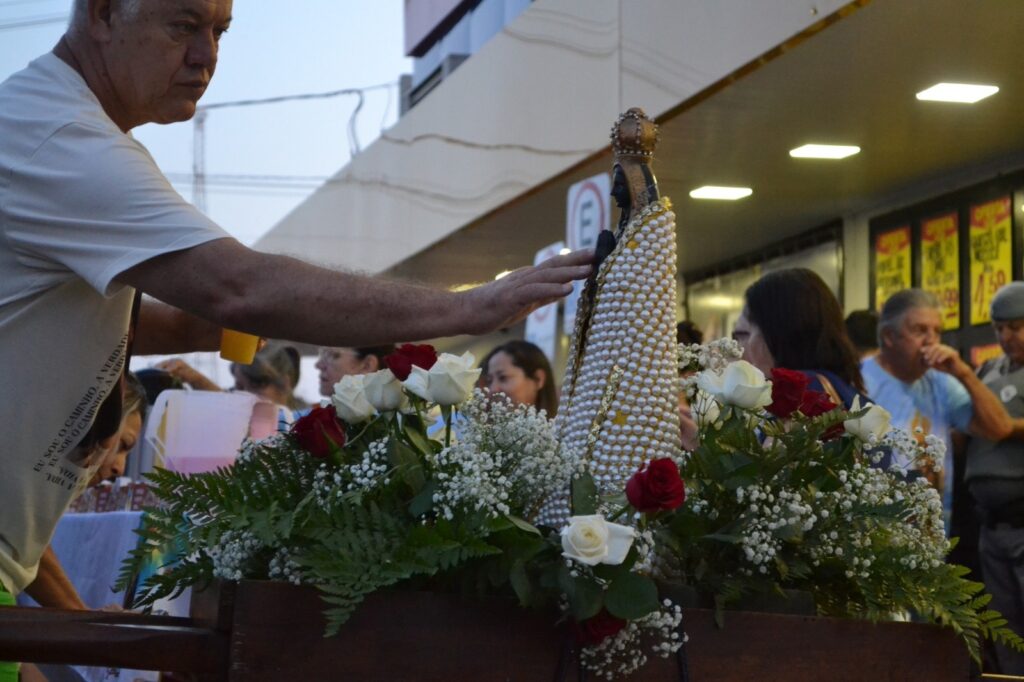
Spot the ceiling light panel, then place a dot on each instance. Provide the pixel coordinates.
(721, 193)
(961, 93)
(824, 151)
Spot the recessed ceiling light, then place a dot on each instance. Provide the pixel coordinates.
(824, 151)
(503, 273)
(717, 192)
(964, 93)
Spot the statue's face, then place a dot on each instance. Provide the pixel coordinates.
(620, 190)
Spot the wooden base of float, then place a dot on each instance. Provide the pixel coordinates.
(276, 632)
(273, 631)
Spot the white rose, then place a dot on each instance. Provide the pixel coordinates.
(873, 425)
(449, 382)
(350, 399)
(740, 384)
(384, 391)
(706, 410)
(591, 540)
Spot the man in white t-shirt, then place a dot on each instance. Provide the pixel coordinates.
(925, 385)
(86, 219)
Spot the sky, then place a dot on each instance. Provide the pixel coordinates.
(311, 46)
(272, 49)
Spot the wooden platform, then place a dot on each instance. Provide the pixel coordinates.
(273, 631)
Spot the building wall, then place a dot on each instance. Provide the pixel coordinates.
(535, 101)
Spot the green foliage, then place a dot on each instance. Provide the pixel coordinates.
(773, 507)
(349, 524)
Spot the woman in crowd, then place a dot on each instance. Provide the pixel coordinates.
(52, 587)
(133, 414)
(273, 375)
(520, 370)
(334, 363)
(792, 320)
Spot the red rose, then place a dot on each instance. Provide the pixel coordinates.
(402, 360)
(319, 432)
(788, 387)
(595, 630)
(816, 403)
(656, 486)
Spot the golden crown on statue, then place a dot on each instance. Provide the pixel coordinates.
(634, 135)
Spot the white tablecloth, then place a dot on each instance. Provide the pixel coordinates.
(91, 548)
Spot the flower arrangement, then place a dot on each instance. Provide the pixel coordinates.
(784, 491)
(357, 497)
(789, 491)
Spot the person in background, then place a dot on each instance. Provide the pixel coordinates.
(521, 371)
(272, 375)
(335, 363)
(994, 474)
(133, 416)
(926, 386)
(791, 319)
(689, 333)
(52, 587)
(862, 328)
(155, 381)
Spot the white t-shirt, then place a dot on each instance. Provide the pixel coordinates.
(80, 202)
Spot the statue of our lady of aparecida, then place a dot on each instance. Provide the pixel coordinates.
(619, 404)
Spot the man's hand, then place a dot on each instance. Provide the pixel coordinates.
(945, 359)
(504, 302)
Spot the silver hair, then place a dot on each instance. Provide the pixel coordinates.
(79, 10)
(897, 306)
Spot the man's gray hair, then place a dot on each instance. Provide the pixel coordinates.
(80, 9)
(897, 305)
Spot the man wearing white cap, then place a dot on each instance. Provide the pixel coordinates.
(995, 474)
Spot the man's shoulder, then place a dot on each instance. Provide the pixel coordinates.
(47, 96)
(874, 374)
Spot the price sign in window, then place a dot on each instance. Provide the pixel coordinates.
(940, 265)
(991, 248)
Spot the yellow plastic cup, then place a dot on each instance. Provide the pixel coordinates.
(238, 346)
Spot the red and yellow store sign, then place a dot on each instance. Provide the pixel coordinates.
(940, 265)
(892, 263)
(991, 248)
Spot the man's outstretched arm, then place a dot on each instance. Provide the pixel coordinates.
(280, 297)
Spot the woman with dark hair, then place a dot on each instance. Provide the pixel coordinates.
(520, 370)
(792, 320)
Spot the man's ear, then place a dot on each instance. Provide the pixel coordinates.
(886, 337)
(98, 20)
